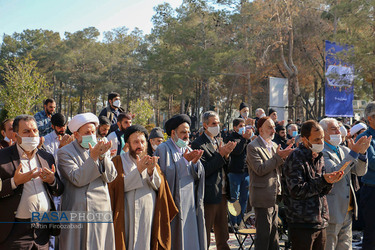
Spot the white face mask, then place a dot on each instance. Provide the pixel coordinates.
(335, 140)
(30, 143)
(262, 115)
(245, 114)
(6, 139)
(317, 148)
(154, 146)
(214, 131)
(117, 103)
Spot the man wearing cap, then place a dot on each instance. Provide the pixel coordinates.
(264, 159)
(367, 200)
(155, 139)
(29, 181)
(214, 159)
(86, 168)
(342, 202)
(141, 201)
(57, 138)
(185, 175)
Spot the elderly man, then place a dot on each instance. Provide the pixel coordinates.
(305, 186)
(215, 158)
(86, 168)
(292, 131)
(43, 118)
(155, 139)
(29, 181)
(185, 175)
(367, 202)
(342, 202)
(140, 197)
(264, 159)
(6, 129)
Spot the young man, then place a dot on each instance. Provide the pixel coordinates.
(305, 186)
(43, 118)
(104, 127)
(117, 137)
(113, 110)
(6, 129)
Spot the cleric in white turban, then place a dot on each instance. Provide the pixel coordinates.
(86, 169)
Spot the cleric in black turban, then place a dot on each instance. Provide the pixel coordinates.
(176, 121)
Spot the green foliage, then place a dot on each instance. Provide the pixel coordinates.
(143, 111)
(23, 86)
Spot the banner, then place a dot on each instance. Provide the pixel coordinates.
(339, 83)
(279, 97)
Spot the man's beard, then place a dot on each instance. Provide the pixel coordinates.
(60, 133)
(133, 152)
(47, 112)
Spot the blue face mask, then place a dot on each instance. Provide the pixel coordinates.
(242, 130)
(181, 143)
(86, 139)
(295, 133)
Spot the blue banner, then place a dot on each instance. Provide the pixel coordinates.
(339, 83)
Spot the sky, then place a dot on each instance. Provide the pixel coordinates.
(74, 15)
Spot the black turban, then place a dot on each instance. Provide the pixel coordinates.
(156, 133)
(176, 121)
(135, 128)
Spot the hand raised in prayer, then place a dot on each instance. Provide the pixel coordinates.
(333, 177)
(284, 153)
(247, 134)
(189, 156)
(65, 140)
(361, 145)
(100, 149)
(250, 122)
(142, 163)
(21, 178)
(225, 150)
(48, 175)
(151, 164)
(197, 158)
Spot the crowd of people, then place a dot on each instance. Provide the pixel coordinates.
(169, 188)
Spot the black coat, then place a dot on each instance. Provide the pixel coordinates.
(213, 164)
(237, 162)
(9, 198)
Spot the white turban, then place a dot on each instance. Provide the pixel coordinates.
(343, 131)
(82, 119)
(357, 127)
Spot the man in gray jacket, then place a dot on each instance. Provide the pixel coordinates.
(341, 200)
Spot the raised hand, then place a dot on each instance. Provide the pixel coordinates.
(65, 140)
(100, 149)
(47, 175)
(361, 145)
(284, 153)
(189, 156)
(225, 150)
(247, 134)
(333, 177)
(141, 163)
(21, 178)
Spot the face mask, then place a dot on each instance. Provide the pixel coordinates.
(244, 114)
(241, 131)
(86, 139)
(317, 148)
(117, 103)
(6, 139)
(154, 146)
(335, 140)
(180, 143)
(30, 143)
(262, 115)
(214, 131)
(295, 133)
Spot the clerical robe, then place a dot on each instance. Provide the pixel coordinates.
(186, 182)
(142, 207)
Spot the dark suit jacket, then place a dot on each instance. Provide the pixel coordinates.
(213, 164)
(9, 198)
